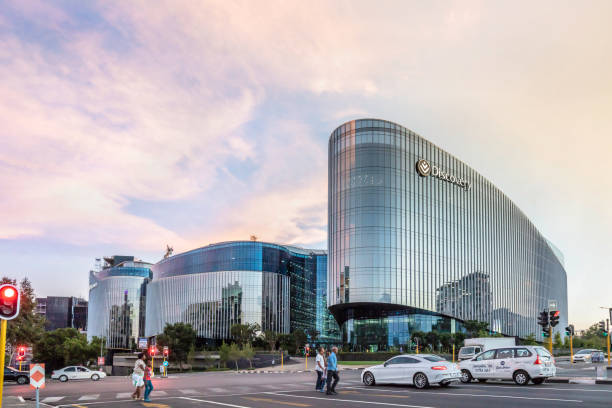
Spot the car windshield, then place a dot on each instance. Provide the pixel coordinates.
(584, 352)
(434, 359)
(467, 350)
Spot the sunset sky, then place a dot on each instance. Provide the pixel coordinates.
(129, 125)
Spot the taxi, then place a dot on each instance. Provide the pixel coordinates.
(521, 364)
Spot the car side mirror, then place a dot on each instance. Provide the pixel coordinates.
(386, 364)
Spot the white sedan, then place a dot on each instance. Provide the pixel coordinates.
(584, 355)
(77, 373)
(421, 370)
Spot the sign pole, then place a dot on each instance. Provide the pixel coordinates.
(453, 353)
(2, 353)
(37, 398)
(572, 347)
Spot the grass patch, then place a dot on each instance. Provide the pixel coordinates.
(353, 363)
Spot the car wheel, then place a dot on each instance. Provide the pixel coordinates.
(466, 376)
(538, 381)
(22, 380)
(63, 378)
(482, 380)
(368, 379)
(521, 377)
(95, 377)
(420, 381)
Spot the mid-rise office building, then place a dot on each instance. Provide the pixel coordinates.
(62, 312)
(419, 241)
(279, 287)
(117, 296)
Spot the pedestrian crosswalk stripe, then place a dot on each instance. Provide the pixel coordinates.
(189, 392)
(52, 399)
(158, 393)
(217, 389)
(89, 397)
(124, 395)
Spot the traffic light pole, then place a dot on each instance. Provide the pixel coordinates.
(2, 353)
(550, 348)
(572, 347)
(608, 342)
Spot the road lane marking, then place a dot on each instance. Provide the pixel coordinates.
(189, 392)
(158, 393)
(292, 404)
(89, 397)
(52, 399)
(217, 389)
(123, 395)
(214, 402)
(353, 401)
(152, 405)
(480, 395)
(78, 406)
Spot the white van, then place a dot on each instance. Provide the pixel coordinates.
(520, 363)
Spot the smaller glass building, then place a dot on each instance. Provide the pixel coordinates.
(116, 309)
(281, 288)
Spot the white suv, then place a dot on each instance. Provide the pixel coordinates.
(520, 363)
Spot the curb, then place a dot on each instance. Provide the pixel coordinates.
(579, 380)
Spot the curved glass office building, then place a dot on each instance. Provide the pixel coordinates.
(419, 241)
(116, 309)
(214, 287)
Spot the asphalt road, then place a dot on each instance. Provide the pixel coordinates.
(296, 390)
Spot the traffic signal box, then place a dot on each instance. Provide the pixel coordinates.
(569, 330)
(602, 328)
(554, 317)
(543, 321)
(152, 351)
(166, 351)
(9, 302)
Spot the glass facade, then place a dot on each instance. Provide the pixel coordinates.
(242, 282)
(116, 309)
(434, 243)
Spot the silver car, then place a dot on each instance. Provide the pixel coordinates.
(420, 370)
(520, 363)
(583, 355)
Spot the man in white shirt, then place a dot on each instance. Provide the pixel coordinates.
(320, 369)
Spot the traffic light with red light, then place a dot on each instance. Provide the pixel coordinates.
(166, 351)
(9, 301)
(554, 317)
(21, 350)
(152, 351)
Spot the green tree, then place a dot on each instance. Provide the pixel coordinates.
(557, 341)
(299, 337)
(248, 352)
(62, 347)
(286, 342)
(180, 338)
(28, 327)
(418, 338)
(446, 340)
(432, 338)
(235, 354)
(244, 333)
(476, 328)
(458, 339)
(271, 338)
(224, 354)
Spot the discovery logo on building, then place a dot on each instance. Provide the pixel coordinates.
(425, 169)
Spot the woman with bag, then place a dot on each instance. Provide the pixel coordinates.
(138, 375)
